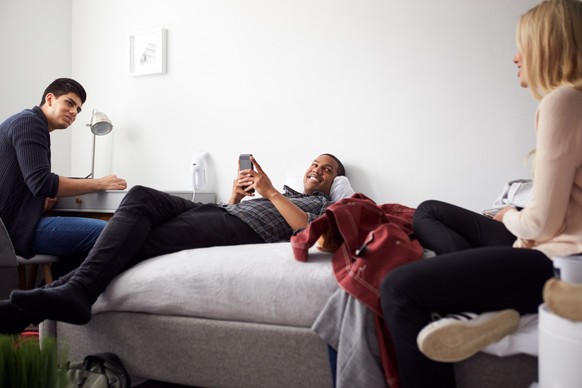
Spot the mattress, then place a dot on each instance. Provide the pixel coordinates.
(258, 283)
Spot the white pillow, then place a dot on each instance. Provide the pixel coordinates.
(340, 188)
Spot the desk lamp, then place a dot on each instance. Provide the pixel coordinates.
(100, 125)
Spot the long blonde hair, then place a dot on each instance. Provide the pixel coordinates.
(549, 37)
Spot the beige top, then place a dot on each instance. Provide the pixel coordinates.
(552, 222)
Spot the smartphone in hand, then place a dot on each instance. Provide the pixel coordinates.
(244, 162)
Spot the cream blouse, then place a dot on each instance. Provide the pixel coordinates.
(552, 222)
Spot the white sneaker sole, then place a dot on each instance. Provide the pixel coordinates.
(451, 340)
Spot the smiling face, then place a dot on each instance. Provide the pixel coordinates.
(61, 111)
(521, 69)
(320, 175)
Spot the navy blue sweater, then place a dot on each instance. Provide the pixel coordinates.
(25, 175)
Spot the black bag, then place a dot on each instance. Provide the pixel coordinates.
(101, 370)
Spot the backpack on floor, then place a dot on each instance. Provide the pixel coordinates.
(101, 370)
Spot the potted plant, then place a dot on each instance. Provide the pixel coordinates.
(30, 363)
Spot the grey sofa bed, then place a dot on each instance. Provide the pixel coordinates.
(224, 341)
(208, 353)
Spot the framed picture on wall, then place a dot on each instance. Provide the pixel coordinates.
(147, 52)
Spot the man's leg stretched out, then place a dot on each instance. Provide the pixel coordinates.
(148, 223)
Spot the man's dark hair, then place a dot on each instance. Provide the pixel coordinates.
(63, 86)
(341, 171)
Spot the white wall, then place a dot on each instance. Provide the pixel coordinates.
(35, 42)
(32, 55)
(419, 99)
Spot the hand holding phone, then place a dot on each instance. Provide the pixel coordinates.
(245, 163)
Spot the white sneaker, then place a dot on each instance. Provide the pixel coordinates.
(459, 336)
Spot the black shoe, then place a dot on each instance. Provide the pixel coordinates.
(13, 320)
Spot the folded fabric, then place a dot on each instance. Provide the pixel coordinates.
(515, 193)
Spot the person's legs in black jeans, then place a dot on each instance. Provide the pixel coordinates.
(476, 270)
(147, 223)
(443, 228)
(476, 280)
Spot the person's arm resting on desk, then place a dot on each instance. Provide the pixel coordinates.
(70, 186)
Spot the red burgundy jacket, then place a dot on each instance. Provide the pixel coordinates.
(373, 239)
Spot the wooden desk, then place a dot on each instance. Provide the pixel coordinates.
(103, 204)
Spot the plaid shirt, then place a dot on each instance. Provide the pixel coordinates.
(264, 218)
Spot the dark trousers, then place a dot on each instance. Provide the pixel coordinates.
(476, 270)
(150, 223)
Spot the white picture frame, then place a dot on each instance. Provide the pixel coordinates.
(147, 52)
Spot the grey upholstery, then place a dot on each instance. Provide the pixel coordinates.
(215, 353)
(9, 259)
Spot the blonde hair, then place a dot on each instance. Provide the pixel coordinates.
(549, 37)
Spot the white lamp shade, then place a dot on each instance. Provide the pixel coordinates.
(100, 123)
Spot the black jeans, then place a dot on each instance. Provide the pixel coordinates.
(150, 223)
(476, 270)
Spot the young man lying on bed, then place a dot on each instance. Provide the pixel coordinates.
(150, 223)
